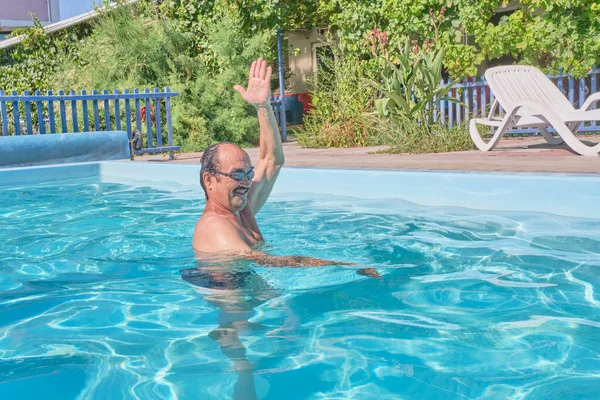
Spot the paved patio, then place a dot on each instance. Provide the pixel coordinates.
(513, 155)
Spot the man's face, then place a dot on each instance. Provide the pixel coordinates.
(226, 191)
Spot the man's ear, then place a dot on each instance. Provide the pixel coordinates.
(207, 179)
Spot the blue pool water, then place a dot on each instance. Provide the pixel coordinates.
(472, 304)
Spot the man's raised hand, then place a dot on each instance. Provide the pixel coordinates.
(258, 92)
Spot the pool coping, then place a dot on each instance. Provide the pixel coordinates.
(529, 155)
(566, 194)
(95, 164)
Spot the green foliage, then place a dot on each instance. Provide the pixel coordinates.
(406, 136)
(344, 113)
(30, 65)
(211, 111)
(129, 49)
(341, 102)
(462, 60)
(555, 35)
(253, 17)
(353, 21)
(266, 14)
(409, 90)
(192, 18)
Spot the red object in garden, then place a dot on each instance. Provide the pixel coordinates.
(305, 99)
(143, 114)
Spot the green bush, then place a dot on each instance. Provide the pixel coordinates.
(130, 50)
(209, 101)
(341, 101)
(405, 135)
(345, 114)
(553, 35)
(411, 88)
(31, 64)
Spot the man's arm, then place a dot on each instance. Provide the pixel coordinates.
(227, 241)
(271, 156)
(270, 161)
(267, 260)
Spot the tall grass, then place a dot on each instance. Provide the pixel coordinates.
(404, 135)
(345, 116)
(340, 101)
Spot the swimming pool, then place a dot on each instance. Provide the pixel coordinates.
(489, 288)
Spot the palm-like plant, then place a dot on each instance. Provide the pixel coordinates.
(412, 86)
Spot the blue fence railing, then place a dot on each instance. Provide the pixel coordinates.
(144, 115)
(477, 99)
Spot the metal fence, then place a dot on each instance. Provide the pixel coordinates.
(144, 115)
(477, 99)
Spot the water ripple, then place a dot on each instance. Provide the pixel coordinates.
(471, 304)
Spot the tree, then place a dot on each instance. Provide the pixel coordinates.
(554, 35)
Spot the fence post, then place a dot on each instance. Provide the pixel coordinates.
(16, 119)
(148, 119)
(4, 114)
(96, 112)
(442, 105)
(169, 122)
(451, 106)
(106, 110)
(51, 120)
(138, 120)
(86, 117)
(74, 111)
(40, 113)
(117, 111)
(475, 102)
(127, 114)
(459, 108)
(157, 118)
(28, 120)
(559, 83)
(571, 90)
(594, 89)
(63, 111)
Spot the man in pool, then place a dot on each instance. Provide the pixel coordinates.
(236, 191)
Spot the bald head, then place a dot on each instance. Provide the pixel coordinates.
(218, 157)
(227, 152)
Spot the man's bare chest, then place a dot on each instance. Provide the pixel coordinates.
(248, 228)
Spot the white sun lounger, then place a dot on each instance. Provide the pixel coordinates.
(531, 100)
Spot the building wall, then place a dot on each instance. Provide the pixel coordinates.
(72, 8)
(19, 9)
(300, 58)
(15, 13)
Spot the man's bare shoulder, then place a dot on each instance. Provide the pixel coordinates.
(216, 233)
(210, 226)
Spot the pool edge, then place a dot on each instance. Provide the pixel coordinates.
(573, 195)
(49, 173)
